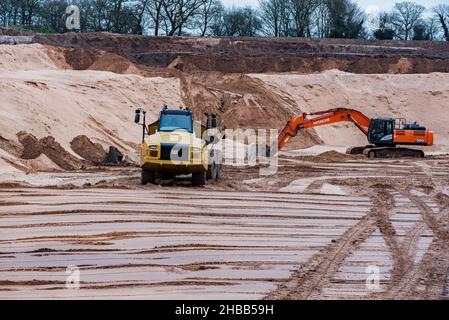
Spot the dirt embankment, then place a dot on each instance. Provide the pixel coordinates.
(33, 148)
(46, 154)
(260, 55)
(241, 101)
(88, 150)
(61, 87)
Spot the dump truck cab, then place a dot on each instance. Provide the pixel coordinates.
(175, 145)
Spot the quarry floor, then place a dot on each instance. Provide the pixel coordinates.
(318, 229)
(324, 226)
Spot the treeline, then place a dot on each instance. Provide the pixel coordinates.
(277, 18)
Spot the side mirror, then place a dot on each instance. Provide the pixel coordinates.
(137, 117)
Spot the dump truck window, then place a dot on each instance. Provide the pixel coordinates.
(171, 122)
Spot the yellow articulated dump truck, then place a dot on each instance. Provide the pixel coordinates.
(175, 144)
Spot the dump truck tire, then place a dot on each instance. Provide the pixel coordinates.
(199, 179)
(148, 177)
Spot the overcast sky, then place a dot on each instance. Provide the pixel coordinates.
(369, 5)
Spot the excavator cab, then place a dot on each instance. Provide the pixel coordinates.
(381, 132)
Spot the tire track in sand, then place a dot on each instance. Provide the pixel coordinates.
(427, 280)
(309, 279)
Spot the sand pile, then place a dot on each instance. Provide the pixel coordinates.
(42, 97)
(332, 155)
(59, 155)
(80, 59)
(88, 150)
(90, 59)
(67, 103)
(419, 97)
(114, 63)
(241, 101)
(11, 147)
(25, 57)
(40, 164)
(328, 156)
(33, 148)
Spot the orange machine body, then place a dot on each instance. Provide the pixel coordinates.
(413, 137)
(387, 132)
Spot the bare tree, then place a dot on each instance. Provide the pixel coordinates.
(276, 17)
(18, 12)
(94, 15)
(386, 29)
(52, 15)
(155, 12)
(216, 26)
(433, 29)
(6, 12)
(240, 22)
(302, 11)
(320, 19)
(208, 12)
(279, 18)
(405, 17)
(442, 12)
(139, 13)
(178, 12)
(28, 9)
(346, 19)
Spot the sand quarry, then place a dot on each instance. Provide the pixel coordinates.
(311, 231)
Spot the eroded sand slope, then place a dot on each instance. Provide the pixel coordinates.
(41, 98)
(419, 97)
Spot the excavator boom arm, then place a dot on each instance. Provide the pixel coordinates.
(296, 123)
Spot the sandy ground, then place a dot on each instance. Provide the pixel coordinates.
(311, 231)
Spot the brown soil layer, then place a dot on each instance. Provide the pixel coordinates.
(257, 55)
(33, 148)
(11, 147)
(88, 150)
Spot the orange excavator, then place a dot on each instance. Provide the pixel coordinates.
(384, 134)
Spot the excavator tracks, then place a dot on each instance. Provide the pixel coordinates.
(386, 152)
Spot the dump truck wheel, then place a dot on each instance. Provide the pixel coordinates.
(199, 179)
(148, 177)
